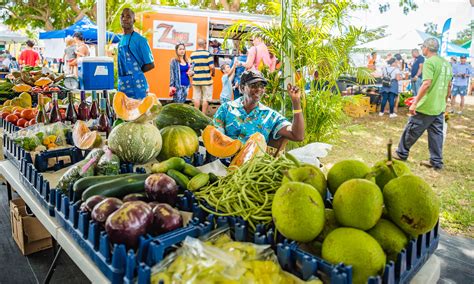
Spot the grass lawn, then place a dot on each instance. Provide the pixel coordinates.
(365, 139)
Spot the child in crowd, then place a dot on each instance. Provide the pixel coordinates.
(227, 78)
(70, 57)
(14, 66)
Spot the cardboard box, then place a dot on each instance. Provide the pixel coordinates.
(27, 231)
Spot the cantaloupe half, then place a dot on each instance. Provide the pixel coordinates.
(130, 109)
(255, 146)
(218, 144)
(83, 138)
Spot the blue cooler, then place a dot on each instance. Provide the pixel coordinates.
(96, 73)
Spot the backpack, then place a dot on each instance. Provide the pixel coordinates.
(387, 79)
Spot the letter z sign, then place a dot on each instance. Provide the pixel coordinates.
(167, 34)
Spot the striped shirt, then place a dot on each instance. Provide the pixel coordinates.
(202, 60)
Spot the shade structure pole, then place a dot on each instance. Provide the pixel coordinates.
(287, 51)
(101, 27)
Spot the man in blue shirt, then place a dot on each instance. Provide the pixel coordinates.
(416, 68)
(462, 71)
(134, 59)
(241, 118)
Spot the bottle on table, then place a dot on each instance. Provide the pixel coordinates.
(71, 113)
(83, 110)
(109, 110)
(54, 115)
(104, 121)
(94, 112)
(41, 115)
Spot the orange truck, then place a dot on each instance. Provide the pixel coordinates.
(167, 26)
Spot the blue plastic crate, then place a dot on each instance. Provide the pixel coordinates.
(289, 257)
(8, 127)
(16, 153)
(37, 184)
(113, 262)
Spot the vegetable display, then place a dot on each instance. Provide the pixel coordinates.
(247, 191)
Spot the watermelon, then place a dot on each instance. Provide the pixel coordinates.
(178, 141)
(182, 114)
(134, 142)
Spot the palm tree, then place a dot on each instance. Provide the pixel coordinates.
(320, 40)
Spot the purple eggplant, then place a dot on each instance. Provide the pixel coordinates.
(166, 219)
(104, 208)
(153, 204)
(127, 224)
(91, 202)
(135, 197)
(162, 188)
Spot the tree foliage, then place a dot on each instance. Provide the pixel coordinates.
(59, 14)
(322, 40)
(432, 29)
(465, 35)
(407, 6)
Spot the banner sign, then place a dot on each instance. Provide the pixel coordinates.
(167, 34)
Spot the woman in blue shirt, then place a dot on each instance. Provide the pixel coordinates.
(180, 70)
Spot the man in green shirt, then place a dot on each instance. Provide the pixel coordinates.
(427, 110)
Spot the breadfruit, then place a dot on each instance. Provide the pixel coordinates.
(298, 211)
(384, 174)
(358, 203)
(357, 248)
(411, 204)
(344, 171)
(391, 238)
(330, 224)
(308, 174)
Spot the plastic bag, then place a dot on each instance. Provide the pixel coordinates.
(219, 259)
(310, 153)
(109, 163)
(40, 137)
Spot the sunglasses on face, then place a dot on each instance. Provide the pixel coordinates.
(256, 85)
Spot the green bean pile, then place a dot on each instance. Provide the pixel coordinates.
(247, 191)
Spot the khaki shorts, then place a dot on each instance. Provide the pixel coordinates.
(202, 92)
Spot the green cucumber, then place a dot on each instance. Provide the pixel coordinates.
(213, 178)
(174, 163)
(83, 183)
(190, 170)
(180, 178)
(118, 187)
(198, 181)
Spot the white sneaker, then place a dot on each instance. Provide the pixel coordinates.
(459, 112)
(380, 113)
(392, 115)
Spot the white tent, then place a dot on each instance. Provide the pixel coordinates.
(7, 36)
(407, 42)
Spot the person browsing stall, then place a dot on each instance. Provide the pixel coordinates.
(134, 58)
(241, 118)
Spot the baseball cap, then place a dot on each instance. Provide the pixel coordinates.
(463, 56)
(398, 56)
(431, 43)
(252, 76)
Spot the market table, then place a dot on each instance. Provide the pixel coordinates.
(11, 175)
(429, 273)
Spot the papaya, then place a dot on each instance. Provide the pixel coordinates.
(218, 144)
(21, 88)
(130, 109)
(255, 146)
(83, 138)
(43, 81)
